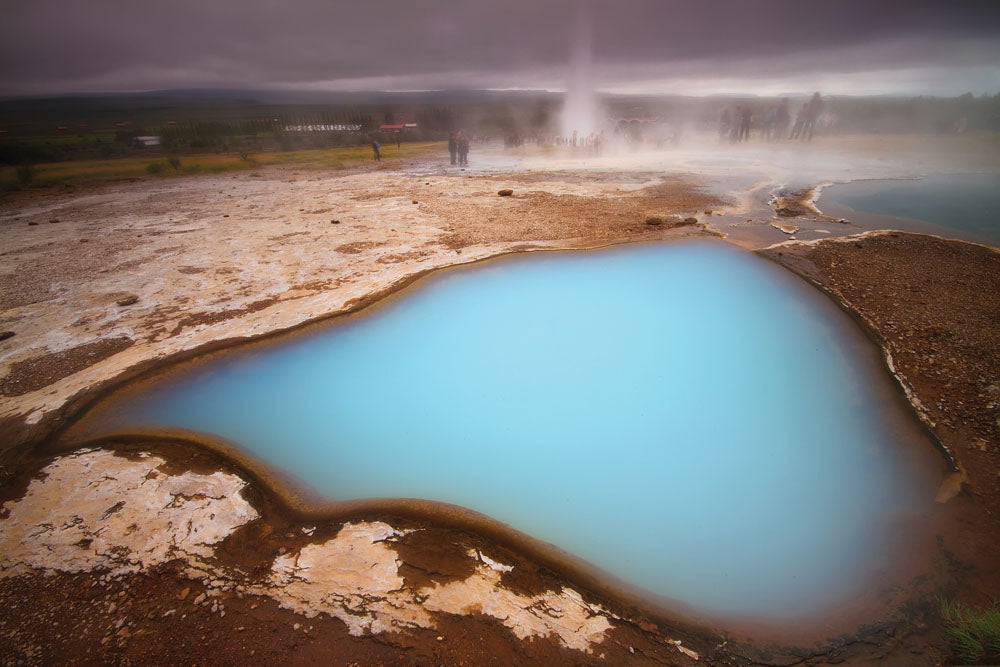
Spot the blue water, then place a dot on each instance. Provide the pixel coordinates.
(685, 416)
(965, 206)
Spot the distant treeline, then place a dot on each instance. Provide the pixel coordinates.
(97, 127)
(54, 130)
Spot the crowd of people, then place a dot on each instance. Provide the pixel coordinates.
(735, 122)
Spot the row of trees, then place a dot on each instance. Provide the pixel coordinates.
(281, 129)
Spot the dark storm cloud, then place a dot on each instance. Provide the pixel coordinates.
(65, 45)
(735, 29)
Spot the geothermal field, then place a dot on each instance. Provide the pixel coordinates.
(553, 333)
(534, 464)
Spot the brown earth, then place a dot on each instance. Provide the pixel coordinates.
(535, 215)
(38, 372)
(163, 617)
(934, 307)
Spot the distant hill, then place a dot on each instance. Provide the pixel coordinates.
(225, 95)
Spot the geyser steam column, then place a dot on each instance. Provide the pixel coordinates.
(580, 104)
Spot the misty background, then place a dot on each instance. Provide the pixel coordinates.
(90, 80)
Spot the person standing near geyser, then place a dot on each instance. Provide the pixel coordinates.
(463, 148)
(814, 109)
(452, 146)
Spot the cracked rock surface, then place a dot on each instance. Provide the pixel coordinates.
(95, 510)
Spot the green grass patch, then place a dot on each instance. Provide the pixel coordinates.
(157, 165)
(973, 633)
(349, 156)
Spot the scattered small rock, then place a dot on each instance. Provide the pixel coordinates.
(335, 222)
(689, 221)
(127, 300)
(55, 220)
(32, 224)
(4, 335)
(506, 192)
(655, 221)
(415, 201)
(183, 594)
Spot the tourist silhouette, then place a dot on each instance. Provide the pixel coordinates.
(813, 110)
(782, 119)
(463, 148)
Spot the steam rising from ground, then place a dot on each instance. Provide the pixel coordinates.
(580, 108)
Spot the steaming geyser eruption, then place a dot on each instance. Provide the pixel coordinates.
(580, 106)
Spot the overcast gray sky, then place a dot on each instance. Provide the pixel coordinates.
(639, 46)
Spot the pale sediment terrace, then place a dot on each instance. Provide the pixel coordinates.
(94, 510)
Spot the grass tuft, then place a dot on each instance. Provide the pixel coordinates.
(973, 634)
